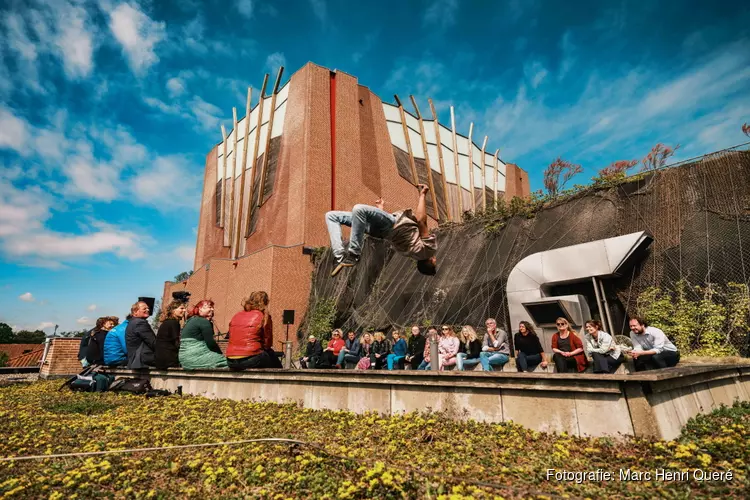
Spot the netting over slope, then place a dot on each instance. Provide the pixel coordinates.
(698, 214)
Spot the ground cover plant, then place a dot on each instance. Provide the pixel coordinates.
(356, 456)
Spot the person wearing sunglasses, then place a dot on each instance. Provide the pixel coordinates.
(568, 349)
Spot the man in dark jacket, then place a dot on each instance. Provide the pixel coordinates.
(139, 338)
(312, 354)
(415, 348)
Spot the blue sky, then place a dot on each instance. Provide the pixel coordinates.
(107, 109)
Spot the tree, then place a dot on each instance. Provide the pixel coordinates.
(27, 337)
(6, 334)
(617, 168)
(746, 129)
(657, 157)
(4, 359)
(155, 315)
(557, 169)
(184, 275)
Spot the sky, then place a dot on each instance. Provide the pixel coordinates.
(108, 109)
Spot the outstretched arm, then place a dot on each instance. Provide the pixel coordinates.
(421, 211)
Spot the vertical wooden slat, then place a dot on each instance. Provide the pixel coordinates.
(223, 176)
(250, 206)
(231, 185)
(244, 166)
(426, 158)
(455, 165)
(412, 165)
(484, 176)
(471, 168)
(440, 160)
(268, 136)
(496, 175)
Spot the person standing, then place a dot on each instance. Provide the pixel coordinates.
(652, 349)
(166, 353)
(140, 338)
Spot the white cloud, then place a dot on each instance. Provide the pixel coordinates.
(185, 252)
(245, 7)
(274, 62)
(320, 9)
(208, 115)
(138, 35)
(44, 325)
(442, 13)
(27, 297)
(14, 131)
(176, 86)
(75, 40)
(148, 185)
(85, 321)
(92, 307)
(536, 73)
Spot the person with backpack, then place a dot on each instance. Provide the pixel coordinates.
(115, 350)
(95, 348)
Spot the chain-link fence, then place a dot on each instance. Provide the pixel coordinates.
(698, 213)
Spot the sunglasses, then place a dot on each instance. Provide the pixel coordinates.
(561, 324)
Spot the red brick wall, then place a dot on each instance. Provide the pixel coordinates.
(62, 358)
(516, 182)
(210, 237)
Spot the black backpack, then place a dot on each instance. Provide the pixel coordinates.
(131, 385)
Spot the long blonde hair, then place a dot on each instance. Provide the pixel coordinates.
(468, 334)
(379, 336)
(368, 336)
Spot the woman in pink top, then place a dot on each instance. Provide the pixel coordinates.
(448, 347)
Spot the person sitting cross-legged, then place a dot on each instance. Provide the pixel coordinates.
(350, 352)
(495, 348)
(407, 231)
(313, 352)
(471, 348)
(604, 351)
(529, 351)
(651, 347)
(567, 348)
(398, 351)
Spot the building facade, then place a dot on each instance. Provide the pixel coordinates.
(323, 142)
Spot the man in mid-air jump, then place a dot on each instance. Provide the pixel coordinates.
(407, 232)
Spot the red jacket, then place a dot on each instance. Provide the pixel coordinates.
(575, 343)
(247, 336)
(336, 345)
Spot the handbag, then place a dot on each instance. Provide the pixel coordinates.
(363, 364)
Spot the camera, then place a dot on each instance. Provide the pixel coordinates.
(182, 296)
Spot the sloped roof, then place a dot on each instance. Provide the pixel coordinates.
(21, 355)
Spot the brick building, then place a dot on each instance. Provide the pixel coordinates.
(332, 144)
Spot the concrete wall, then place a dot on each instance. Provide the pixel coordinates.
(652, 405)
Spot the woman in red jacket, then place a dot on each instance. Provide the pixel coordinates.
(251, 336)
(567, 348)
(331, 352)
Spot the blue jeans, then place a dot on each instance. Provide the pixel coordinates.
(392, 359)
(461, 361)
(346, 356)
(424, 365)
(527, 362)
(490, 359)
(363, 219)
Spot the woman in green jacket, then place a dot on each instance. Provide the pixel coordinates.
(198, 349)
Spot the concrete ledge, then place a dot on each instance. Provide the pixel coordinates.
(655, 404)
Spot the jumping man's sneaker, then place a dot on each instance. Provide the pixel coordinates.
(348, 261)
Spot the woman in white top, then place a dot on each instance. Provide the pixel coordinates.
(602, 348)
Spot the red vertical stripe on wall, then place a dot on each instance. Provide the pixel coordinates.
(333, 140)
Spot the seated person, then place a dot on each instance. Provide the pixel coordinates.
(167, 352)
(470, 349)
(398, 351)
(431, 335)
(365, 351)
(115, 348)
(408, 233)
(495, 348)
(313, 352)
(447, 347)
(198, 348)
(350, 351)
(251, 336)
(332, 350)
(651, 347)
(529, 351)
(568, 349)
(380, 350)
(604, 351)
(415, 348)
(140, 338)
(95, 347)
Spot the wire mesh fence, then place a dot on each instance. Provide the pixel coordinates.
(698, 213)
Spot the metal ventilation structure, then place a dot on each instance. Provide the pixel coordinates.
(530, 281)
